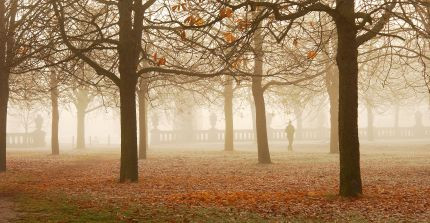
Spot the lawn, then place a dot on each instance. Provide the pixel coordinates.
(210, 185)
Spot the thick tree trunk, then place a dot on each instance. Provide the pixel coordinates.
(55, 145)
(262, 140)
(260, 107)
(129, 168)
(370, 133)
(80, 130)
(130, 35)
(347, 61)
(4, 87)
(143, 120)
(4, 98)
(228, 114)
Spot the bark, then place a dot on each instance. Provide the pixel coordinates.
(143, 120)
(129, 168)
(260, 107)
(55, 145)
(347, 61)
(4, 98)
(228, 113)
(4, 88)
(7, 53)
(130, 35)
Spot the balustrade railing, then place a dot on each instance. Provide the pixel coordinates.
(25, 140)
(214, 135)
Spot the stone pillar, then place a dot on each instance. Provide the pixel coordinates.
(38, 134)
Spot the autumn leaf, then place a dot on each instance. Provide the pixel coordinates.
(311, 54)
(229, 37)
(193, 20)
(161, 61)
(242, 24)
(199, 22)
(182, 34)
(236, 63)
(226, 13)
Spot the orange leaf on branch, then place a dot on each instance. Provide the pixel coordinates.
(199, 22)
(226, 13)
(311, 54)
(161, 61)
(242, 24)
(194, 20)
(229, 37)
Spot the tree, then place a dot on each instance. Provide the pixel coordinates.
(350, 35)
(21, 38)
(113, 48)
(55, 121)
(228, 114)
(142, 94)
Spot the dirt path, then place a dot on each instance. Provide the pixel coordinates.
(7, 214)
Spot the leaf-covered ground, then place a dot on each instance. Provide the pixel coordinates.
(212, 185)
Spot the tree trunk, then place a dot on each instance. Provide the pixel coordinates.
(262, 140)
(228, 114)
(80, 134)
(130, 36)
(370, 133)
(258, 94)
(4, 98)
(55, 145)
(143, 120)
(4, 87)
(347, 61)
(129, 168)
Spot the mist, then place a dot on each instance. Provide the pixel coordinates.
(201, 111)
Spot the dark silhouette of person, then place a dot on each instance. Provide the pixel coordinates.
(290, 135)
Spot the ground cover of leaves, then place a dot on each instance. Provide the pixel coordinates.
(212, 185)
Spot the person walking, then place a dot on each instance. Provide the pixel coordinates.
(290, 135)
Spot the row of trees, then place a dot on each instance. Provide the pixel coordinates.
(134, 47)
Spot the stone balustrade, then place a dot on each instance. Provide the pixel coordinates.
(214, 135)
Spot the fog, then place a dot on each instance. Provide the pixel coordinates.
(102, 126)
(214, 111)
